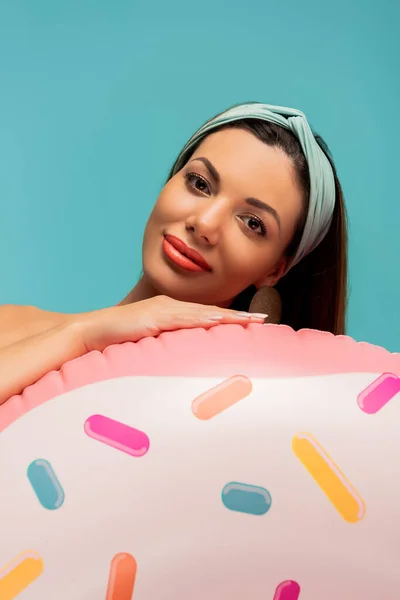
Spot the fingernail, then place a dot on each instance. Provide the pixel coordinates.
(215, 318)
(251, 316)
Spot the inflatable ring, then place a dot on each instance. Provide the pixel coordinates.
(223, 464)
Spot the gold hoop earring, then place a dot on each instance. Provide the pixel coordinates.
(267, 301)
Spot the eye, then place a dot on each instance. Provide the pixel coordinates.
(197, 183)
(255, 224)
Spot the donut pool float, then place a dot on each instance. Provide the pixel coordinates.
(229, 464)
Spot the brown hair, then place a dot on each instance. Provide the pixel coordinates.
(313, 292)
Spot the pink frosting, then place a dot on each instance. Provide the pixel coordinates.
(257, 351)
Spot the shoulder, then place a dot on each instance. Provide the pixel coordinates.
(14, 314)
(19, 322)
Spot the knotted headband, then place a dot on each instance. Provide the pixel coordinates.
(322, 182)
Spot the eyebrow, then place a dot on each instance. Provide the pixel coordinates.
(213, 171)
(251, 201)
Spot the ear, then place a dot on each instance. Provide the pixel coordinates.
(272, 278)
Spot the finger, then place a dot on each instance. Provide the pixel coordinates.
(240, 317)
(226, 315)
(207, 318)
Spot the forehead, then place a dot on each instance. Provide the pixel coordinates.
(252, 167)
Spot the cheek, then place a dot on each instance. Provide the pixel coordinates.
(247, 260)
(172, 204)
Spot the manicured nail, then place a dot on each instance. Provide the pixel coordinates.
(251, 316)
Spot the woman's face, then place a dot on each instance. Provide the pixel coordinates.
(236, 203)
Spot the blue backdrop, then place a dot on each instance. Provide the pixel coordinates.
(98, 97)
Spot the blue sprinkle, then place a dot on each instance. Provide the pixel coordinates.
(45, 484)
(249, 499)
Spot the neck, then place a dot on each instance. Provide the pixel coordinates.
(144, 290)
(141, 291)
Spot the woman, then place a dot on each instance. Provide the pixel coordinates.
(252, 203)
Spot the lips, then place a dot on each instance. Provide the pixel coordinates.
(183, 251)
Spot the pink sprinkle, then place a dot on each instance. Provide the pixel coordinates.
(117, 434)
(287, 590)
(379, 393)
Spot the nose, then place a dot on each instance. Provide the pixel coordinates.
(206, 224)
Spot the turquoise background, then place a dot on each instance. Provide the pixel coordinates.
(98, 97)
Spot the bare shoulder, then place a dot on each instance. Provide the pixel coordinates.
(12, 314)
(19, 322)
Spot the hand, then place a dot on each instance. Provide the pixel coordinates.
(148, 318)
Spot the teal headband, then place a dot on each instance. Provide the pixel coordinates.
(322, 182)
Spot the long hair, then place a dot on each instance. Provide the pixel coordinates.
(313, 292)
